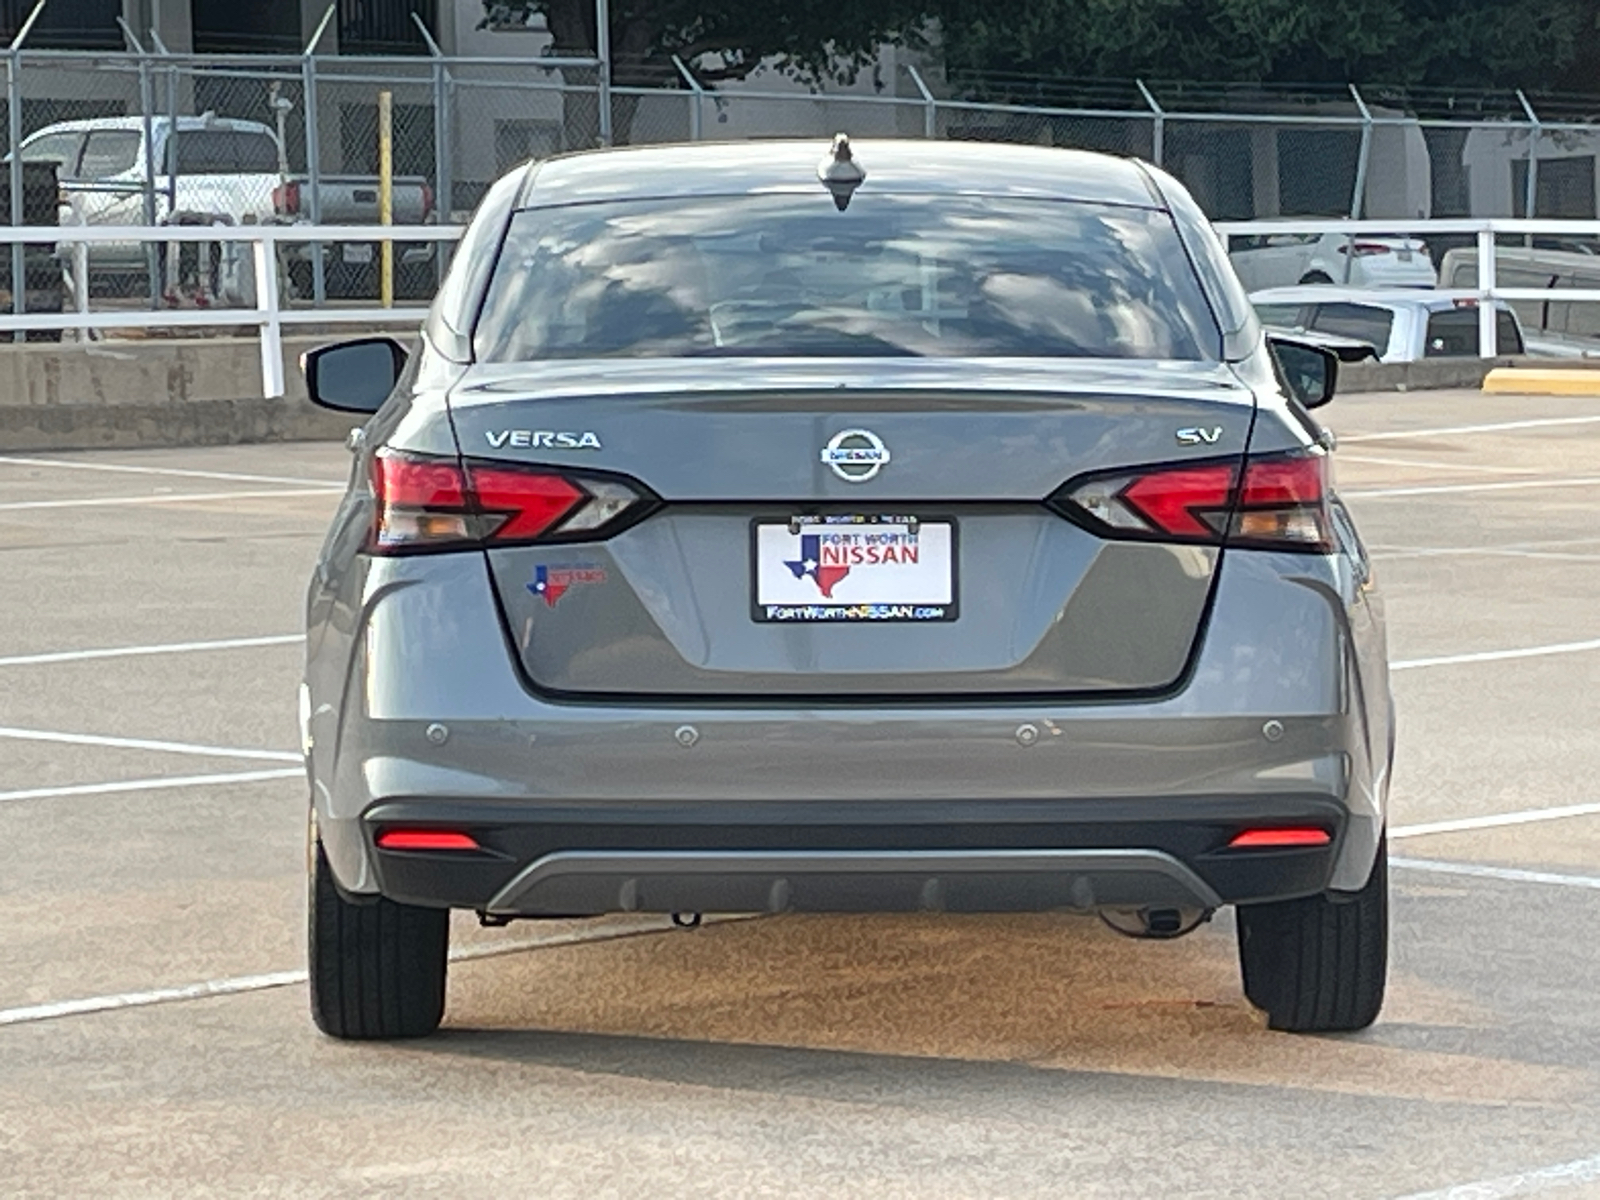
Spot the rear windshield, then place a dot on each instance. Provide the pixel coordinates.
(225, 152)
(1453, 333)
(1364, 322)
(789, 275)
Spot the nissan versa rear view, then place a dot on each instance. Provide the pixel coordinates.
(874, 527)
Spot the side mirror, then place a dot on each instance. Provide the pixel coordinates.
(1310, 372)
(355, 376)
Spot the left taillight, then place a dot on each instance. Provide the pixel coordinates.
(1277, 502)
(430, 504)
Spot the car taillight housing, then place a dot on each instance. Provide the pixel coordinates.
(423, 504)
(1364, 249)
(1275, 502)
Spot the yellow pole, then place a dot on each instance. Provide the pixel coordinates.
(386, 195)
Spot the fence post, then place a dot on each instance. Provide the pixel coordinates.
(19, 279)
(19, 291)
(695, 118)
(1487, 347)
(1158, 125)
(1531, 195)
(444, 186)
(264, 255)
(1358, 195)
(930, 111)
(602, 35)
(308, 85)
(386, 196)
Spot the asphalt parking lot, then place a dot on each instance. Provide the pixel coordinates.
(154, 1039)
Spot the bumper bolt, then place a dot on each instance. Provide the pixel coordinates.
(437, 734)
(686, 735)
(1027, 735)
(1272, 730)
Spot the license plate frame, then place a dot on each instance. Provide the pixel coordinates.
(915, 593)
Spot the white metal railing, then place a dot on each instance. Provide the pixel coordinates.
(269, 316)
(1484, 229)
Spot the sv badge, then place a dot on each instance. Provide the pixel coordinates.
(1195, 436)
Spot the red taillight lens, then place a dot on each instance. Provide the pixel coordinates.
(1281, 502)
(286, 199)
(530, 503)
(1363, 249)
(1262, 839)
(437, 504)
(426, 839)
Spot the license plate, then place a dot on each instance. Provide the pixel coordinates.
(1405, 256)
(358, 254)
(854, 568)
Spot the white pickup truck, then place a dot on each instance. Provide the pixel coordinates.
(207, 167)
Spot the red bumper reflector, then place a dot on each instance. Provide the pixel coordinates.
(1258, 839)
(425, 839)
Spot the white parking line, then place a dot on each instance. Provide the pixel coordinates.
(1525, 1183)
(65, 465)
(122, 743)
(1448, 430)
(164, 498)
(1526, 816)
(1509, 874)
(153, 785)
(1480, 656)
(614, 929)
(1436, 466)
(1445, 489)
(62, 656)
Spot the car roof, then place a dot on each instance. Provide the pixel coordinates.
(227, 124)
(1424, 298)
(742, 168)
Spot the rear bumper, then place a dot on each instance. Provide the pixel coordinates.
(867, 857)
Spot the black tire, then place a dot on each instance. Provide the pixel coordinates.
(377, 968)
(1315, 277)
(1319, 965)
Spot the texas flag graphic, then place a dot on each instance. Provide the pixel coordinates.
(810, 563)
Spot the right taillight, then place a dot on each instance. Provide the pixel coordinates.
(428, 504)
(1274, 502)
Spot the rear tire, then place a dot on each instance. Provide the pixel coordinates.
(1319, 965)
(377, 968)
(1316, 277)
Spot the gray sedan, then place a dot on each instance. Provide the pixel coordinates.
(927, 527)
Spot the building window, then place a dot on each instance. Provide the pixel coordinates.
(64, 24)
(385, 26)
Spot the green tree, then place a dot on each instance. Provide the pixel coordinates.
(1441, 43)
(811, 39)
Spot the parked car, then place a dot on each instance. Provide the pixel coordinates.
(1286, 259)
(41, 271)
(1554, 328)
(1402, 325)
(206, 168)
(351, 268)
(930, 529)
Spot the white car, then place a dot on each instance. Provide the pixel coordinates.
(1286, 259)
(1402, 325)
(209, 166)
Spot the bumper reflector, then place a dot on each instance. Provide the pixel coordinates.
(426, 839)
(1261, 839)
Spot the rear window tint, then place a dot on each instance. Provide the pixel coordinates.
(1364, 322)
(1283, 316)
(1453, 333)
(777, 275)
(224, 152)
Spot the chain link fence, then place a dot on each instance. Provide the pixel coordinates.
(160, 138)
